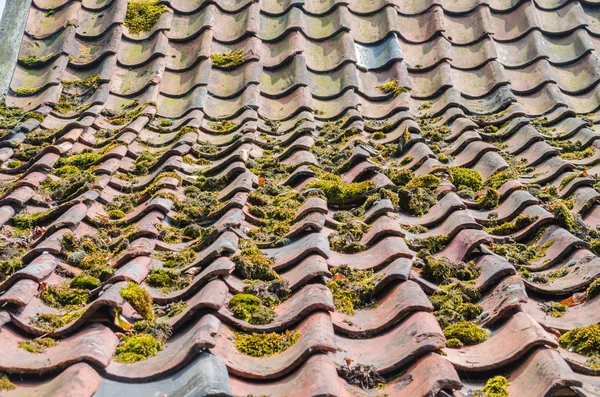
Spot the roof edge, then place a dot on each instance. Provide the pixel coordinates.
(12, 27)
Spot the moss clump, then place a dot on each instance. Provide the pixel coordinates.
(494, 387)
(37, 346)
(11, 116)
(250, 308)
(349, 232)
(456, 302)
(139, 299)
(116, 214)
(263, 345)
(27, 221)
(84, 282)
(51, 322)
(142, 15)
(431, 244)
(33, 61)
(252, 264)
(454, 343)
(271, 293)
(352, 289)
(561, 209)
(442, 269)
(593, 289)
(584, 341)
(488, 199)
(229, 59)
(554, 309)
(196, 205)
(66, 188)
(418, 194)
(173, 259)
(160, 330)
(514, 226)
(521, 254)
(392, 87)
(467, 333)
(167, 280)
(337, 191)
(6, 384)
(501, 177)
(61, 296)
(465, 178)
(223, 126)
(137, 348)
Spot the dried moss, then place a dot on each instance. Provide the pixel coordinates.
(263, 345)
(494, 387)
(250, 308)
(584, 340)
(467, 333)
(392, 87)
(6, 384)
(229, 59)
(516, 225)
(337, 191)
(37, 346)
(252, 264)
(352, 288)
(135, 348)
(139, 299)
(62, 296)
(142, 15)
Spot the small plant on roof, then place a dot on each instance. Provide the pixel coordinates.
(136, 348)
(142, 15)
(262, 345)
(139, 299)
(392, 87)
(228, 59)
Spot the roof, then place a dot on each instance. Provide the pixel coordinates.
(341, 198)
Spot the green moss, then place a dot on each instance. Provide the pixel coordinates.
(250, 308)
(223, 126)
(442, 269)
(84, 282)
(593, 289)
(6, 384)
(488, 199)
(70, 103)
(252, 264)
(37, 346)
(563, 271)
(454, 343)
(514, 226)
(554, 309)
(142, 15)
(456, 302)
(26, 91)
(160, 330)
(501, 177)
(129, 113)
(33, 61)
(62, 296)
(392, 87)
(562, 213)
(271, 293)
(432, 244)
(116, 214)
(172, 259)
(28, 221)
(65, 189)
(521, 254)
(51, 322)
(139, 299)
(262, 345)
(494, 387)
(137, 348)
(465, 177)
(467, 333)
(167, 280)
(229, 59)
(11, 116)
(337, 191)
(584, 341)
(348, 235)
(429, 182)
(352, 288)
